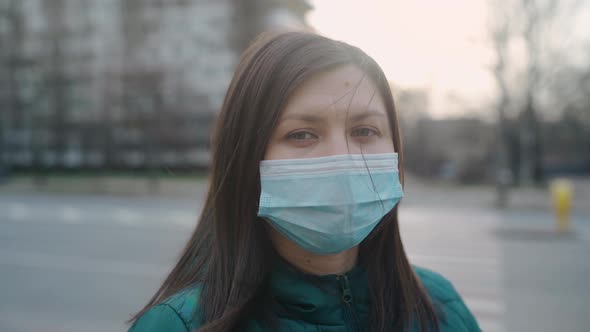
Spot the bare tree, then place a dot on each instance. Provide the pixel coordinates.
(54, 12)
(534, 25)
(18, 93)
(500, 33)
(13, 62)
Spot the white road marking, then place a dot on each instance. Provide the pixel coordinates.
(487, 307)
(127, 217)
(188, 220)
(19, 211)
(70, 215)
(80, 264)
(462, 260)
(491, 325)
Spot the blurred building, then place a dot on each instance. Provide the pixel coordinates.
(457, 149)
(121, 84)
(411, 105)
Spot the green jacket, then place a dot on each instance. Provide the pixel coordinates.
(306, 303)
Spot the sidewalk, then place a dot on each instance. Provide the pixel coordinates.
(108, 185)
(418, 192)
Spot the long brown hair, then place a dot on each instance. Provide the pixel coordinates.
(229, 255)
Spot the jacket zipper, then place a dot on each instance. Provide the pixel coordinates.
(350, 315)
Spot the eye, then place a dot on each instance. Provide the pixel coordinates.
(364, 132)
(301, 136)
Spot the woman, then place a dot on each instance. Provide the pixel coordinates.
(299, 231)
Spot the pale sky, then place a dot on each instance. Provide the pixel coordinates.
(437, 45)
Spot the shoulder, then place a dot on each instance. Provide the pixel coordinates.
(177, 313)
(455, 316)
(438, 287)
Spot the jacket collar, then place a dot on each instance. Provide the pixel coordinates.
(317, 299)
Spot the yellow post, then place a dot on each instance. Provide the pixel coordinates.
(562, 194)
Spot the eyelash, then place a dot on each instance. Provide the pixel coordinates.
(374, 131)
(291, 135)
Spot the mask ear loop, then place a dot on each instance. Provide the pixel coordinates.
(367, 169)
(374, 187)
(347, 222)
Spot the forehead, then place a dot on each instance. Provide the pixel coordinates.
(345, 87)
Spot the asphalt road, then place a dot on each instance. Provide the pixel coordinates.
(86, 262)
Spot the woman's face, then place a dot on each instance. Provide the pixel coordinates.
(335, 112)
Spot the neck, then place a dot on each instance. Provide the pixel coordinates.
(311, 263)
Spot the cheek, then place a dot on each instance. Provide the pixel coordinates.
(278, 149)
(382, 145)
(271, 150)
(287, 151)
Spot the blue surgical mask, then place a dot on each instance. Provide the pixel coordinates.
(329, 204)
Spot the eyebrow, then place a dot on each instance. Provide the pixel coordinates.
(315, 118)
(367, 114)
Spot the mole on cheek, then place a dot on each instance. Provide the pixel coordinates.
(346, 84)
